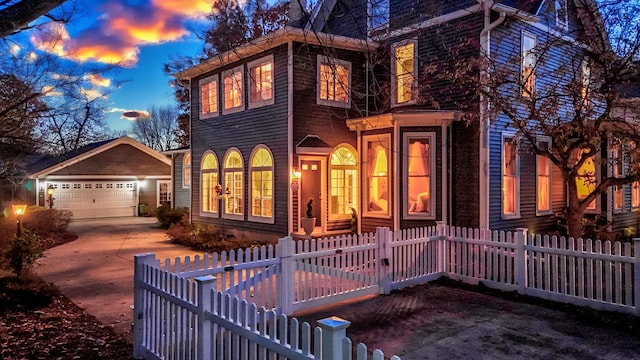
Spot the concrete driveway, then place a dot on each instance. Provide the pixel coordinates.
(96, 270)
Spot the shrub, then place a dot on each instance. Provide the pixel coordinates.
(167, 216)
(46, 222)
(23, 252)
(207, 238)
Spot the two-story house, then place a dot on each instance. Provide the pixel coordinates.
(339, 110)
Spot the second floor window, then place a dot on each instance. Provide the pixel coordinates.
(233, 90)
(528, 64)
(404, 72)
(334, 82)
(510, 179)
(261, 82)
(209, 97)
(617, 165)
(543, 179)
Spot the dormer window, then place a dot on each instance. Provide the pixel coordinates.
(561, 14)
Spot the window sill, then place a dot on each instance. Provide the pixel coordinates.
(208, 115)
(259, 104)
(213, 215)
(377, 215)
(262, 220)
(233, 216)
(232, 110)
(510, 216)
(338, 104)
(544, 213)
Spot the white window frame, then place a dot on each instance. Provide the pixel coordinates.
(394, 74)
(332, 61)
(212, 189)
(561, 23)
(185, 166)
(365, 189)
(209, 80)
(524, 55)
(539, 212)
(231, 73)
(516, 214)
(225, 214)
(252, 65)
(407, 136)
(258, 218)
(333, 216)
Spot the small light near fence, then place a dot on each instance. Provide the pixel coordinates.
(19, 209)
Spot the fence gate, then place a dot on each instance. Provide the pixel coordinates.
(334, 269)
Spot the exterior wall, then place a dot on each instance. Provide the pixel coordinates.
(244, 130)
(403, 13)
(181, 195)
(325, 121)
(120, 160)
(465, 164)
(349, 18)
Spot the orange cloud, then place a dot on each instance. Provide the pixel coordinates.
(117, 34)
(98, 80)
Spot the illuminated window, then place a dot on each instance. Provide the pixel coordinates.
(561, 14)
(635, 194)
(404, 72)
(617, 166)
(209, 97)
(419, 167)
(233, 90)
(186, 171)
(261, 82)
(334, 82)
(586, 179)
(510, 178)
(377, 152)
(528, 64)
(261, 173)
(209, 171)
(344, 182)
(543, 179)
(234, 207)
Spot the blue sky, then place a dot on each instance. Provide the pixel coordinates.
(139, 36)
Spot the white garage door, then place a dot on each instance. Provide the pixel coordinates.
(94, 199)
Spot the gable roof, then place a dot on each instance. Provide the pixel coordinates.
(42, 165)
(270, 41)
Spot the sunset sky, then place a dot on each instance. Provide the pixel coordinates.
(139, 36)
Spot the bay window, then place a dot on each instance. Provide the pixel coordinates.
(377, 156)
(344, 180)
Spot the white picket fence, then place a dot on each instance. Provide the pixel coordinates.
(296, 276)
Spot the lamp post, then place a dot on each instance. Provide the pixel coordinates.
(18, 211)
(50, 198)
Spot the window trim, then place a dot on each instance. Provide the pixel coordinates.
(615, 154)
(365, 189)
(213, 214)
(406, 137)
(329, 187)
(185, 166)
(225, 74)
(252, 104)
(329, 60)
(226, 215)
(394, 75)
(547, 139)
(526, 34)
(257, 218)
(516, 214)
(201, 82)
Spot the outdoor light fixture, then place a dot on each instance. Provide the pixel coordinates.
(218, 189)
(296, 174)
(18, 211)
(50, 198)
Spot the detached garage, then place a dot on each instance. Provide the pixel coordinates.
(104, 179)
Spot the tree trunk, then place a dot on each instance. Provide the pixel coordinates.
(18, 15)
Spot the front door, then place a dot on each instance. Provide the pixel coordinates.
(311, 188)
(164, 192)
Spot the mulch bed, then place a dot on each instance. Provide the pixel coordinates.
(38, 322)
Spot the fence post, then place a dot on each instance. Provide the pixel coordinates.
(204, 285)
(441, 246)
(139, 307)
(334, 330)
(520, 265)
(636, 274)
(285, 285)
(385, 259)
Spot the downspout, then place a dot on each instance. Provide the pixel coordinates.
(292, 221)
(485, 48)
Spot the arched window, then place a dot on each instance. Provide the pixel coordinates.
(209, 172)
(186, 171)
(343, 168)
(261, 177)
(233, 182)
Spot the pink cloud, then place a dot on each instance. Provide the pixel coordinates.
(116, 36)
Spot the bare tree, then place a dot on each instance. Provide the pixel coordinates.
(158, 131)
(16, 15)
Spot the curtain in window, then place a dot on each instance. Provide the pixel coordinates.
(544, 176)
(377, 174)
(509, 178)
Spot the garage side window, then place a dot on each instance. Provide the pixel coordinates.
(209, 181)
